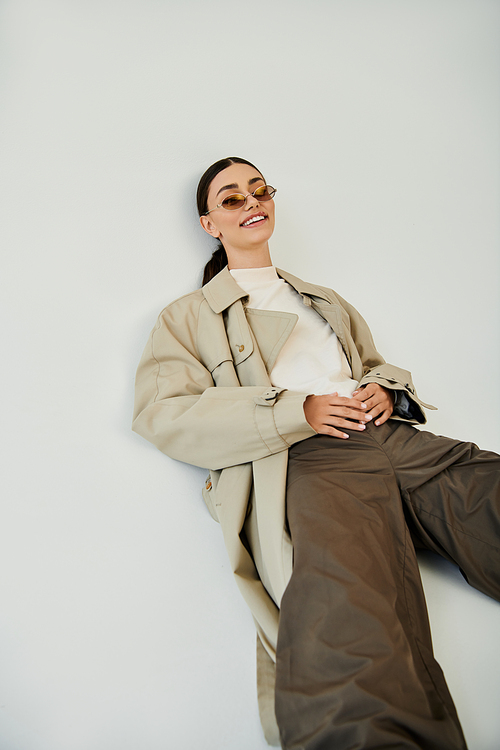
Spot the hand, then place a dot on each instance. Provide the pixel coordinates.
(326, 413)
(378, 400)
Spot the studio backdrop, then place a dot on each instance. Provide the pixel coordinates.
(121, 627)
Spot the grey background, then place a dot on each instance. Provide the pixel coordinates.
(377, 120)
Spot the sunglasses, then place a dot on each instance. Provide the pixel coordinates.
(237, 200)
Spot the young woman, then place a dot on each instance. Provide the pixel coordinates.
(275, 386)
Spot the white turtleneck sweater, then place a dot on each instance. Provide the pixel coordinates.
(312, 360)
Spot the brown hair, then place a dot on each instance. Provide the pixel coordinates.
(219, 258)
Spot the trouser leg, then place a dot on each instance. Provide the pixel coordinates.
(451, 493)
(355, 667)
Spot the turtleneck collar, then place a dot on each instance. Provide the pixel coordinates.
(254, 275)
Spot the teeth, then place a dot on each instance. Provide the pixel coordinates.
(253, 220)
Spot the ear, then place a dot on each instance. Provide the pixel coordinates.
(209, 226)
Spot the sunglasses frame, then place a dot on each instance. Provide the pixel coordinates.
(272, 192)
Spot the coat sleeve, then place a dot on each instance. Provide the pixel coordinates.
(407, 404)
(179, 409)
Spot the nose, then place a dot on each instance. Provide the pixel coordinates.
(253, 201)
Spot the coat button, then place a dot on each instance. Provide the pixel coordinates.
(241, 347)
(208, 485)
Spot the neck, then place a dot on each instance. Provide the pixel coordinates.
(249, 258)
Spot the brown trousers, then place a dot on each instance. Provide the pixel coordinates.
(355, 666)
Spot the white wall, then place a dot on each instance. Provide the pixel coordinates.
(120, 625)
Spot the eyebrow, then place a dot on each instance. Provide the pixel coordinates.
(235, 186)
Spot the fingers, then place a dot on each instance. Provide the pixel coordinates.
(383, 417)
(330, 414)
(378, 407)
(378, 400)
(345, 411)
(328, 429)
(367, 391)
(351, 423)
(333, 432)
(345, 403)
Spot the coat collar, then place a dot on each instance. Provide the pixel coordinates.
(222, 291)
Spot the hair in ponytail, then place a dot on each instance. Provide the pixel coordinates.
(216, 263)
(219, 258)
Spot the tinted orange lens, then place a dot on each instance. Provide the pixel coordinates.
(233, 201)
(265, 192)
(262, 193)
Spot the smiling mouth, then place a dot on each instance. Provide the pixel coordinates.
(255, 219)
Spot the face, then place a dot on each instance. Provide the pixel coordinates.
(246, 229)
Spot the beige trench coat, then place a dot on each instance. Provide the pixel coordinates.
(203, 396)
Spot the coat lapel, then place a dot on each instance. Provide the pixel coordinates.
(267, 330)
